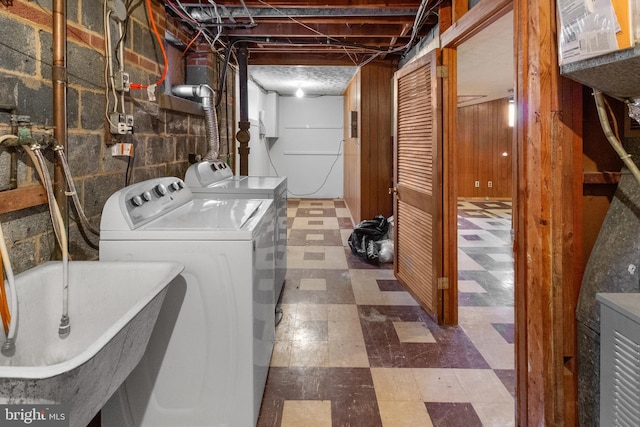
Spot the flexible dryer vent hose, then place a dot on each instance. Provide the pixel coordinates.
(206, 95)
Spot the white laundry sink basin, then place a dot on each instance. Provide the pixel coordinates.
(113, 307)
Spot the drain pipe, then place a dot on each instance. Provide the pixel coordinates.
(206, 95)
(243, 136)
(59, 81)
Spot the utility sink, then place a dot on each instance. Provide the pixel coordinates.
(113, 307)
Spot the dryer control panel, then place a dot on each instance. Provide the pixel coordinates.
(206, 173)
(140, 203)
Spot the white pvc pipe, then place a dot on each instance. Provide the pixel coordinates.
(7, 137)
(9, 346)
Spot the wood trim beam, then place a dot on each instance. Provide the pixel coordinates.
(546, 209)
(460, 7)
(450, 187)
(22, 198)
(479, 17)
(601, 177)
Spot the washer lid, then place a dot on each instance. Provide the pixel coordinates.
(245, 184)
(209, 214)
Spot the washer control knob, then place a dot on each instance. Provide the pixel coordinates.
(160, 190)
(173, 186)
(137, 201)
(180, 184)
(146, 196)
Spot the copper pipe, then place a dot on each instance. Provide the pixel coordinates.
(13, 162)
(59, 82)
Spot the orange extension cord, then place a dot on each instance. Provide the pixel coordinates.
(164, 54)
(4, 307)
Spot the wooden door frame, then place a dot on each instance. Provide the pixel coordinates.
(472, 22)
(547, 205)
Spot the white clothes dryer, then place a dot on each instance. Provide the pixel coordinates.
(214, 178)
(209, 353)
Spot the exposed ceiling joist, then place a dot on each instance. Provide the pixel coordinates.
(339, 29)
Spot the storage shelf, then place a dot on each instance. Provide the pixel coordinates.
(616, 73)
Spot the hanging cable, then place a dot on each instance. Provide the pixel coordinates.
(326, 178)
(71, 191)
(164, 53)
(108, 67)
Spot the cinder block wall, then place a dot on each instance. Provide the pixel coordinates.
(163, 139)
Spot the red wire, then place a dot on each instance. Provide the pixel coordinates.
(190, 43)
(164, 54)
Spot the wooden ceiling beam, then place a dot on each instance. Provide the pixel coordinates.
(308, 58)
(329, 30)
(321, 4)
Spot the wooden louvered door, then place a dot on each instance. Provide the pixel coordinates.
(417, 195)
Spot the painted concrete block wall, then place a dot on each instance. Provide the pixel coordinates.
(309, 150)
(162, 139)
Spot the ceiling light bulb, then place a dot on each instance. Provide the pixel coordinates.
(299, 93)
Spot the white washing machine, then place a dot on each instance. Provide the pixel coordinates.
(215, 179)
(208, 356)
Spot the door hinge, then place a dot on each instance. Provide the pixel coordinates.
(443, 283)
(442, 71)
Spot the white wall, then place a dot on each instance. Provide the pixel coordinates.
(311, 140)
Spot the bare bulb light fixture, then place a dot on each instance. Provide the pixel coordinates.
(299, 93)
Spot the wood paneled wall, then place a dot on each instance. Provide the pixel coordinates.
(368, 168)
(483, 138)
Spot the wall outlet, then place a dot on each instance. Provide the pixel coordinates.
(120, 124)
(490, 184)
(477, 184)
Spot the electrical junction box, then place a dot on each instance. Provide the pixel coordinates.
(121, 82)
(122, 149)
(120, 123)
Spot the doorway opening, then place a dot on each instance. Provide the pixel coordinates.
(483, 170)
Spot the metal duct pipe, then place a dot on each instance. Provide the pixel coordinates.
(206, 95)
(59, 81)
